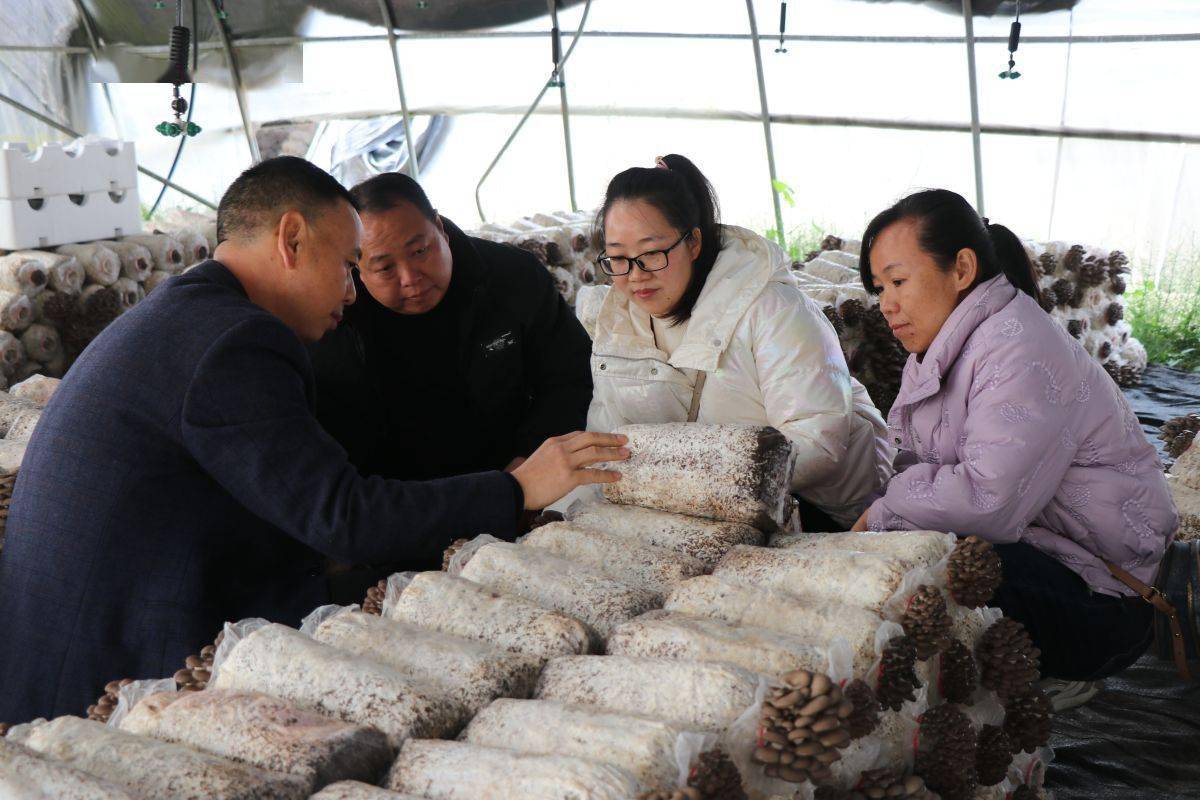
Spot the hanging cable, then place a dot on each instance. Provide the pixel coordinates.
(1014, 41)
(782, 25)
(178, 153)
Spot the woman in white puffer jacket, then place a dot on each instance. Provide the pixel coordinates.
(694, 303)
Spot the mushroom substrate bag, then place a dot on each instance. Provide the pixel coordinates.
(443, 770)
(25, 775)
(703, 539)
(736, 473)
(601, 602)
(657, 753)
(151, 768)
(472, 672)
(692, 695)
(653, 568)
(284, 663)
(263, 731)
(441, 602)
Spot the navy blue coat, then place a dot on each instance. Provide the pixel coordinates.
(179, 479)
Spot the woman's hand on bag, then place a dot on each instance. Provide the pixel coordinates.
(561, 464)
(861, 525)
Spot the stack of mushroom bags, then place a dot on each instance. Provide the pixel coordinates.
(561, 241)
(747, 658)
(20, 409)
(1183, 476)
(601, 723)
(54, 302)
(1082, 288)
(681, 640)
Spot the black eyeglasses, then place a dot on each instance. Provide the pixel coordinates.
(651, 261)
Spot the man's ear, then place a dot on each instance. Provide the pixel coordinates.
(437, 223)
(966, 268)
(290, 236)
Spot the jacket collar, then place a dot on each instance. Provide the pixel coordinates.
(470, 271)
(214, 271)
(923, 378)
(745, 266)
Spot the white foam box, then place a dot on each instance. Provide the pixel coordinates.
(82, 167)
(38, 223)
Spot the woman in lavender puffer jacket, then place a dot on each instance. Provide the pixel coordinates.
(1007, 429)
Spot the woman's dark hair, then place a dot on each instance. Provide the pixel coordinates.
(948, 224)
(684, 196)
(387, 190)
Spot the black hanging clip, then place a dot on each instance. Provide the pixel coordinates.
(782, 25)
(555, 45)
(1014, 41)
(176, 74)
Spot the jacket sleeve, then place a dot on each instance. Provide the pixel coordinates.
(805, 386)
(1012, 457)
(247, 421)
(557, 355)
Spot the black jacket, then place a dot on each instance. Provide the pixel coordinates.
(512, 371)
(179, 479)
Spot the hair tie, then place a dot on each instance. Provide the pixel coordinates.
(661, 163)
(985, 222)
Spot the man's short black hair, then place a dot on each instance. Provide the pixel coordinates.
(261, 194)
(388, 190)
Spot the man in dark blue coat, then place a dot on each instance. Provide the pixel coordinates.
(179, 479)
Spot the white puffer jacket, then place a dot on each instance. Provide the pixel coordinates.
(772, 358)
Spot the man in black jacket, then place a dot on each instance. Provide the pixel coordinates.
(178, 478)
(459, 355)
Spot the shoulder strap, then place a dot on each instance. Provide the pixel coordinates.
(1161, 604)
(694, 409)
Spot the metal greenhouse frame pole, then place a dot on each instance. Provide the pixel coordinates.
(562, 100)
(766, 119)
(281, 41)
(238, 88)
(587, 7)
(974, 90)
(414, 168)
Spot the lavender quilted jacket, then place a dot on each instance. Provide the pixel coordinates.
(1010, 431)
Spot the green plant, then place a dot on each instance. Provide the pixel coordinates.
(799, 240)
(1165, 312)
